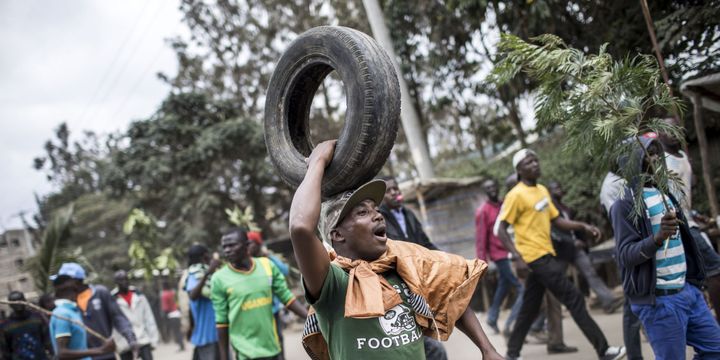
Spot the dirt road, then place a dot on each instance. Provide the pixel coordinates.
(460, 348)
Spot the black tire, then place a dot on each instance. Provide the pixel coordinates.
(373, 106)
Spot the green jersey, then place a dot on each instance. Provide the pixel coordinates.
(243, 302)
(393, 336)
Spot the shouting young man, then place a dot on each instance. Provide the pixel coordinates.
(378, 297)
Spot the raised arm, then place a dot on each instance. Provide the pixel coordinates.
(310, 254)
(196, 292)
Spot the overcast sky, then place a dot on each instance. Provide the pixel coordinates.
(91, 64)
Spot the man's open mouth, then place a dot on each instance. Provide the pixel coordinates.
(379, 231)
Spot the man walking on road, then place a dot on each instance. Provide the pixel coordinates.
(169, 307)
(137, 309)
(242, 294)
(529, 209)
(576, 252)
(490, 248)
(660, 265)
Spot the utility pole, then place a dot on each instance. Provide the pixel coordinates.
(408, 115)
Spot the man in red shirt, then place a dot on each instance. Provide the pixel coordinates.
(489, 247)
(172, 315)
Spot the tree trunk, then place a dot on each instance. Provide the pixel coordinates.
(705, 156)
(516, 123)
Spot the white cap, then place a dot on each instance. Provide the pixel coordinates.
(521, 155)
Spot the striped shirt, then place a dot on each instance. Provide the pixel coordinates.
(670, 264)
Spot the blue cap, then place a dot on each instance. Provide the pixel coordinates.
(73, 270)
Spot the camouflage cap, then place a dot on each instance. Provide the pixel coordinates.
(336, 208)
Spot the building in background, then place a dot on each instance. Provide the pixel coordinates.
(16, 247)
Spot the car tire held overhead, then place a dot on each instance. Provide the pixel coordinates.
(373, 106)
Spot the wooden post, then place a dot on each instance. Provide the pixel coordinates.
(423, 209)
(704, 155)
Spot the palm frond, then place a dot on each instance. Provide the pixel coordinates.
(51, 252)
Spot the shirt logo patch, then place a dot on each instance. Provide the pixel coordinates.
(97, 304)
(397, 320)
(256, 303)
(542, 204)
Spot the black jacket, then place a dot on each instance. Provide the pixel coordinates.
(415, 233)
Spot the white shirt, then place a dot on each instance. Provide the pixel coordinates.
(611, 190)
(680, 165)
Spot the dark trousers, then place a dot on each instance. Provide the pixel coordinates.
(175, 330)
(434, 350)
(584, 265)
(554, 321)
(548, 273)
(145, 353)
(207, 352)
(631, 333)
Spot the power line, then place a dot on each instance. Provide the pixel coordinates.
(132, 55)
(116, 57)
(137, 82)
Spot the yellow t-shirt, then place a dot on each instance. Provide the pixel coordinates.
(529, 210)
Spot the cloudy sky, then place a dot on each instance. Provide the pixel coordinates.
(91, 64)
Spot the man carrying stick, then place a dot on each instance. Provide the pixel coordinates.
(70, 337)
(378, 297)
(660, 265)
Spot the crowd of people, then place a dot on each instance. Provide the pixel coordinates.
(376, 287)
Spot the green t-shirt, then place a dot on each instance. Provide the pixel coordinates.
(243, 301)
(393, 336)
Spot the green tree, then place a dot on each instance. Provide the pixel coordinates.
(603, 105)
(78, 170)
(146, 251)
(192, 160)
